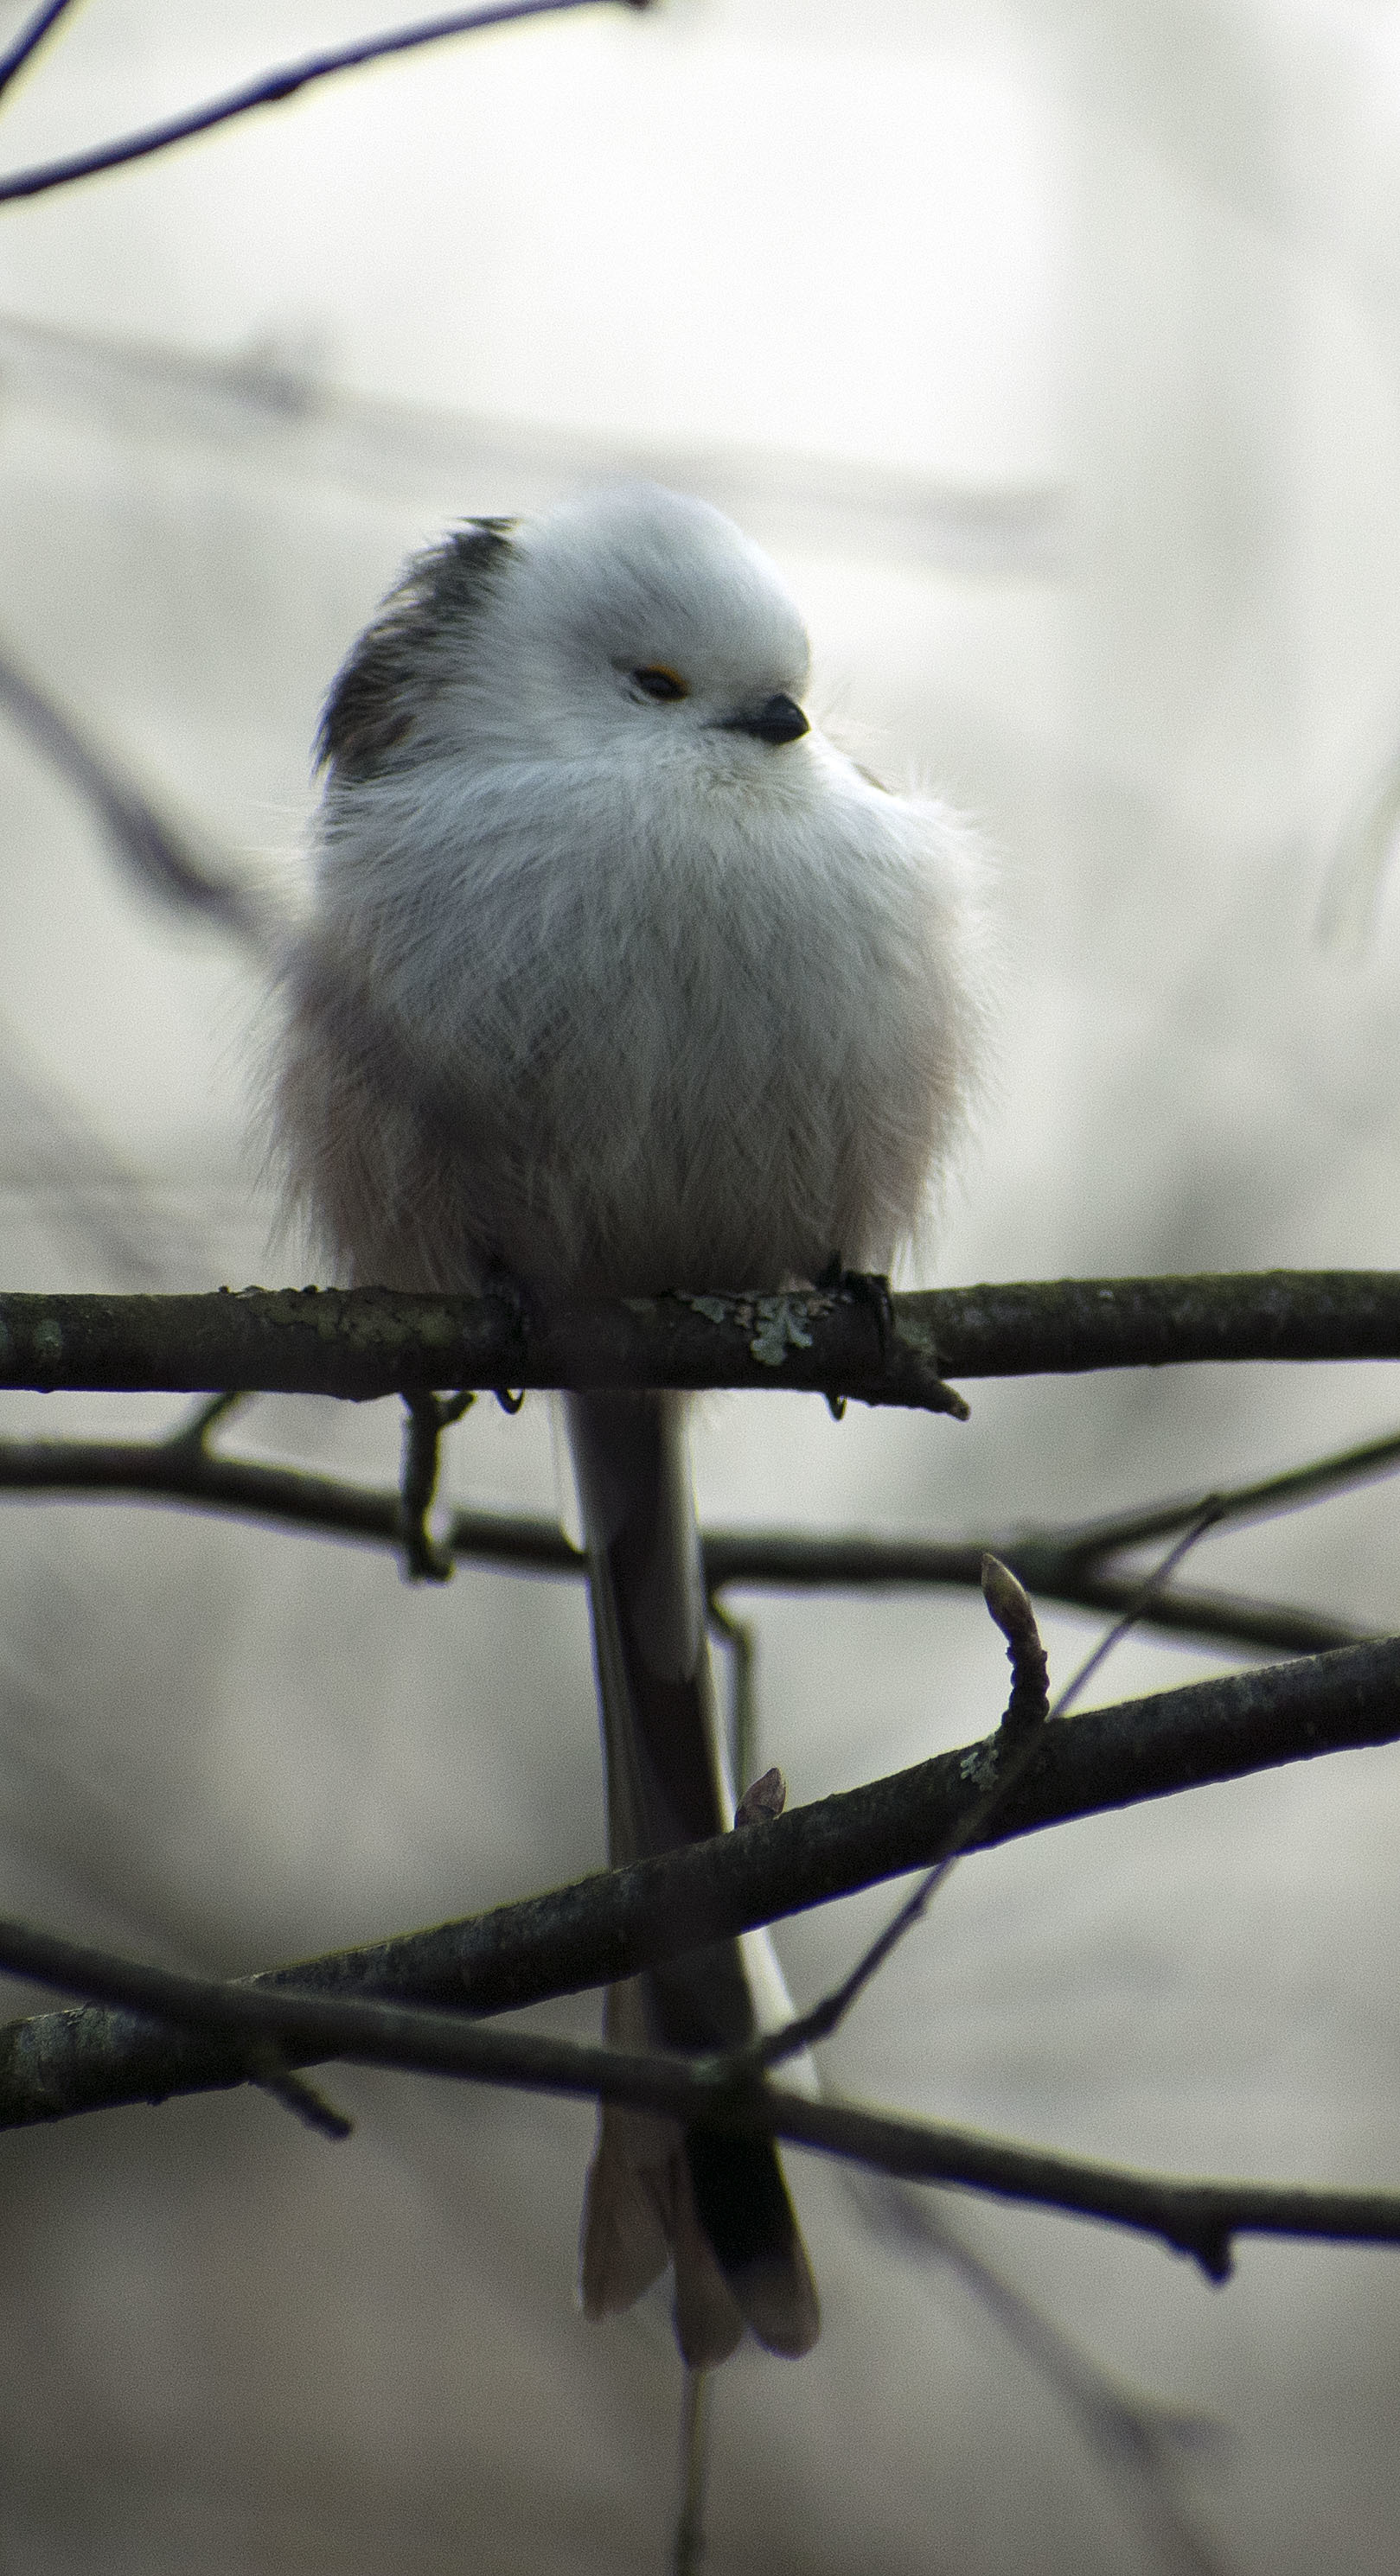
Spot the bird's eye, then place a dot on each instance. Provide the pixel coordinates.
(658, 683)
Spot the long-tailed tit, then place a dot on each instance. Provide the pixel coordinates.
(619, 978)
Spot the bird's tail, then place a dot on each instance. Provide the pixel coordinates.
(716, 2206)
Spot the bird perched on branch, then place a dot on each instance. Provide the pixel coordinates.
(620, 977)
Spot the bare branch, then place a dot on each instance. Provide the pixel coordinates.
(300, 2098)
(1262, 1499)
(1006, 1760)
(611, 1926)
(1147, 1592)
(155, 851)
(270, 89)
(373, 1341)
(273, 389)
(1139, 2440)
(768, 1560)
(427, 1416)
(29, 39)
(1010, 1606)
(1196, 2218)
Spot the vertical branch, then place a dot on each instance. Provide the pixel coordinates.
(426, 1418)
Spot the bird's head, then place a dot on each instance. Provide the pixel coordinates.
(633, 624)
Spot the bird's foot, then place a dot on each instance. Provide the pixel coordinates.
(868, 1288)
(501, 1286)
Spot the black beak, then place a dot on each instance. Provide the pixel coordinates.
(778, 719)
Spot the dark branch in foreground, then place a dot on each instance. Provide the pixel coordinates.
(270, 89)
(1196, 2218)
(370, 1342)
(610, 1926)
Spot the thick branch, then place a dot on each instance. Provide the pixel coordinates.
(369, 1342)
(610, 1926)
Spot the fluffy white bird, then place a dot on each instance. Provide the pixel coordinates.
(620, 977)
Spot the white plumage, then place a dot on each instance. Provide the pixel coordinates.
(619, 977)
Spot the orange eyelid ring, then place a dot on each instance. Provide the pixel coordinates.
(658, 682)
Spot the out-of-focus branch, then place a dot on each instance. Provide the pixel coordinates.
(615, 1924)
(30, 38)
(1196, 2218)
(292, 1497)
(157, 852)
(1262, 1499)
(78, 1184)
(1059, 1566)
(1138, 2439)
(273, 389)
(270, 89)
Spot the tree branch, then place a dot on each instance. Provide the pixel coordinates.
(270, 89)
(1001, 1765)
(1264, 1498)
(1196, 2218)
(612, 1925)
(372, 1342)
(26, 44)
(161, 855)
(1056, 1566)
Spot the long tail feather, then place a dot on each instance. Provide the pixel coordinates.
(718, 2204)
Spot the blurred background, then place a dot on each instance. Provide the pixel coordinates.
(1053, 348)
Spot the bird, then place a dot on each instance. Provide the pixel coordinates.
(619, 977)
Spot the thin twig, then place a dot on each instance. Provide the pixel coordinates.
(22, 47)
(1139, 2440)
(192, 1435)
(306, 2103)
(1008, 1757)
(163, 858)
(426, 1417)
(270, 89)
(170, 1471)
(1005, 1760)
(1261, 1499)
(1148, 1590)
